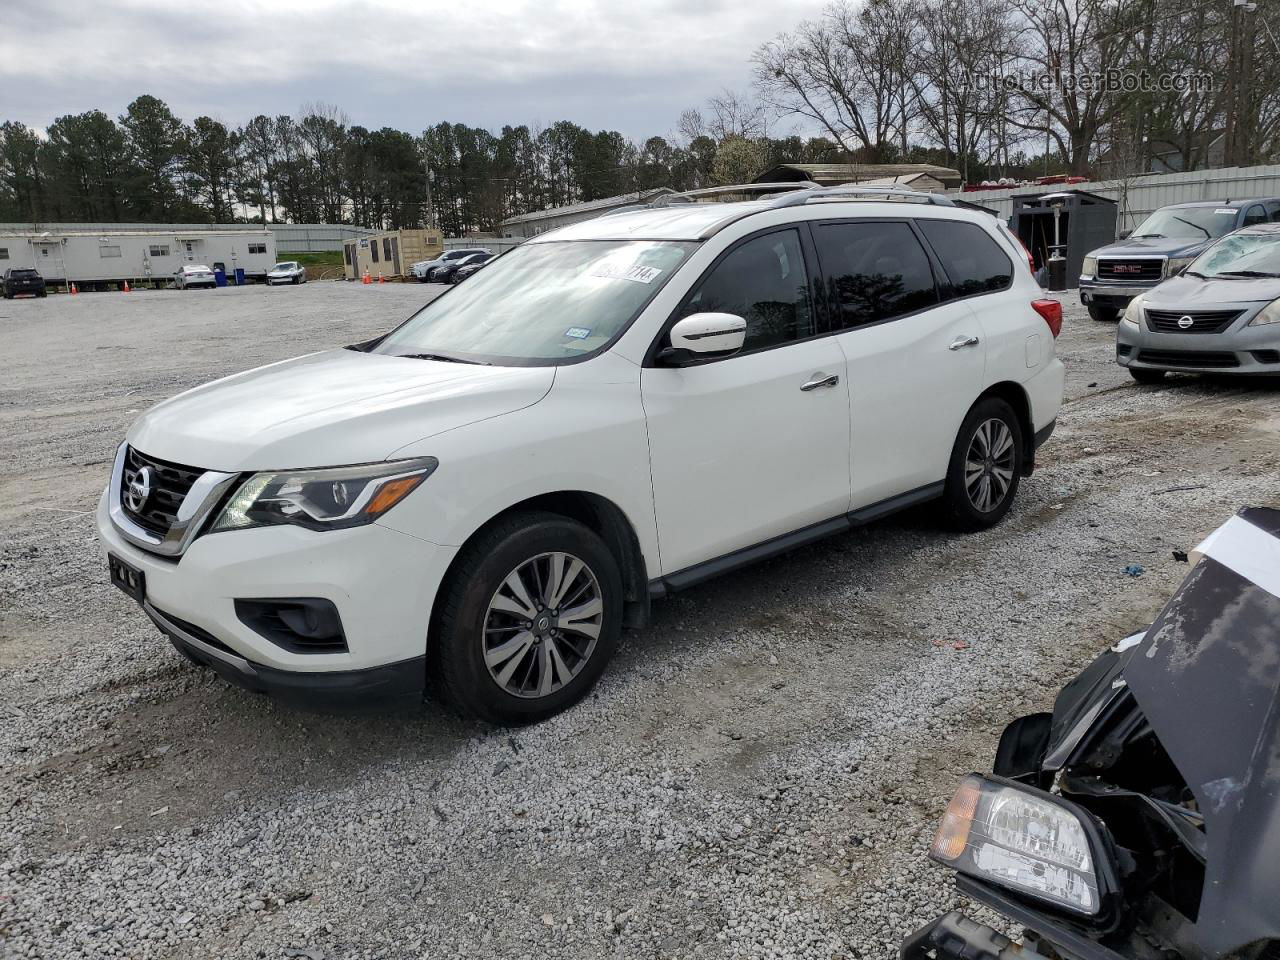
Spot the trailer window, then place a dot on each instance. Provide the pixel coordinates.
(4, 253)
(373, 251)
(257, 248)
(159, 251)
(108, 252)
(346, 253)
(386, 249)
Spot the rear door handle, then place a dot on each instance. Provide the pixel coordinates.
(963, 341)
(820, 381)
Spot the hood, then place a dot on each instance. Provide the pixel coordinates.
(1152, 247)
(1207, 677)
(1183, 293)
(329, 409)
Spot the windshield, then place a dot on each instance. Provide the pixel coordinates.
(1244, 254)
(287, 265)
(1188, 223)
(542, 302)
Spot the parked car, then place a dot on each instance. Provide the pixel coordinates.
(193, 275)
(423, 268)
(1221, 315)
(23, 282)
(287, 271)
(473, 265)
(447, 273)
(1141, 818)
(611, 412)
(1164, 243)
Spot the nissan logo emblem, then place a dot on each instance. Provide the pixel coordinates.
(1185, 322)
(139, 489)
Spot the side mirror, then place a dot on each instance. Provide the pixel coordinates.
(704, 336)
(1124, 234)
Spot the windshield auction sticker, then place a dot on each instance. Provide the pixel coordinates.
(614, 271)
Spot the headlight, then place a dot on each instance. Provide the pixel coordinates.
(329, 499)
(1133, 312)
(1174, 265)
(1019, 839)
(1090, 268)
(1268, 314)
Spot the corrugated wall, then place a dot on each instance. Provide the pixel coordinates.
(1145, 194)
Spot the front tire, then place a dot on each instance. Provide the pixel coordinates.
(1104, 314)
(1144, 375)
(985, 467)
(528, 619)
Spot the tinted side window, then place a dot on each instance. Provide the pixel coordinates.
(1273, 209)
(876, 271)
(1255, 214)
(764, 282)
(973, 260)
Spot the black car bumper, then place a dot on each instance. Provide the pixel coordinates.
(374, 688)
(956, 937)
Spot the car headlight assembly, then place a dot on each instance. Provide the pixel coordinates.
(1175, 265)
(1268, 314)
(1133, 312)
(1028, 841)
(1090, 267)
(333, 498)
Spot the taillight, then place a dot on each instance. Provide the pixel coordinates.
(1051, 310)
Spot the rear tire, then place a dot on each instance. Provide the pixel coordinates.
(985, 467)
(486, 662)
(1104, 314)
(1143, 375)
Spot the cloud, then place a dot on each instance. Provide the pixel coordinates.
(401, 63)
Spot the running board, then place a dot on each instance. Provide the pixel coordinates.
(689, 576)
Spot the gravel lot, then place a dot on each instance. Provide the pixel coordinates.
(758, 774)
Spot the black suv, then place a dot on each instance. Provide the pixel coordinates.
(22, 280)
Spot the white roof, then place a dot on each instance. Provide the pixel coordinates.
(697, 221)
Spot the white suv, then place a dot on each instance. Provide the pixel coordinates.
(480, 499)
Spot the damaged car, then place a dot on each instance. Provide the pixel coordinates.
(1141, 818)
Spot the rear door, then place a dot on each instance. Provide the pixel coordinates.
(756, 445)
(914, 354)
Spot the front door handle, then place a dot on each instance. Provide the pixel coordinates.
(820, 381)
(963, 341)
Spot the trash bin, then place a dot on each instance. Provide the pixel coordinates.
(239, 276)
(220, 277)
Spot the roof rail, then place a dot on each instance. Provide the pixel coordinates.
(801, 197)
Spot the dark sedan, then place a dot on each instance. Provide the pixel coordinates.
(469, 267)
(446, 272)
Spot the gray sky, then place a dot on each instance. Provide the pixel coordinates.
(631, 66)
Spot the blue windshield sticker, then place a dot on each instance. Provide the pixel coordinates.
(578, 333)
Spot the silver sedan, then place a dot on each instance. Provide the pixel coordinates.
(1219, 315)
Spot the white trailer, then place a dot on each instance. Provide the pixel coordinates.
(105, 257)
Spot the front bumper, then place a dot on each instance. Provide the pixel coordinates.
(382, 582)
(1112, 294)
(1246, 351)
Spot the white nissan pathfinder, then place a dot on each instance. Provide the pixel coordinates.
(479, 500)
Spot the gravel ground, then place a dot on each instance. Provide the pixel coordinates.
(758, 774)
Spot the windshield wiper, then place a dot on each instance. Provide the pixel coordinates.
(445, 357)
(1207, 234)
(1194, 273)
(1247, 273)
(1145, 236)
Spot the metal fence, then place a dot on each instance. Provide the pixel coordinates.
(1139, 196)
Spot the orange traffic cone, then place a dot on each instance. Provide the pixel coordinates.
(74, 291)
(126, 286)
(381, 278)
(366, 278)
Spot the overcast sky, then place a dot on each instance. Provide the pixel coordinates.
(629, 65)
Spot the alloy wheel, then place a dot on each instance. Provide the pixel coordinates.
(542, 625)
(989, 463)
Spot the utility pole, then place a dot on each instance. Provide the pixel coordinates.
(1239, 93)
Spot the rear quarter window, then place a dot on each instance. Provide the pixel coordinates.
(974, 262)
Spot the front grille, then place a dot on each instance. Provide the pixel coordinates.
(170, 483)
(1202, 321)
(1130, 269)
(1188, 358)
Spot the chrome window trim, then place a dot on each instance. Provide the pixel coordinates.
(192, 512)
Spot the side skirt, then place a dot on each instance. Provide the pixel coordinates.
(689, 576)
